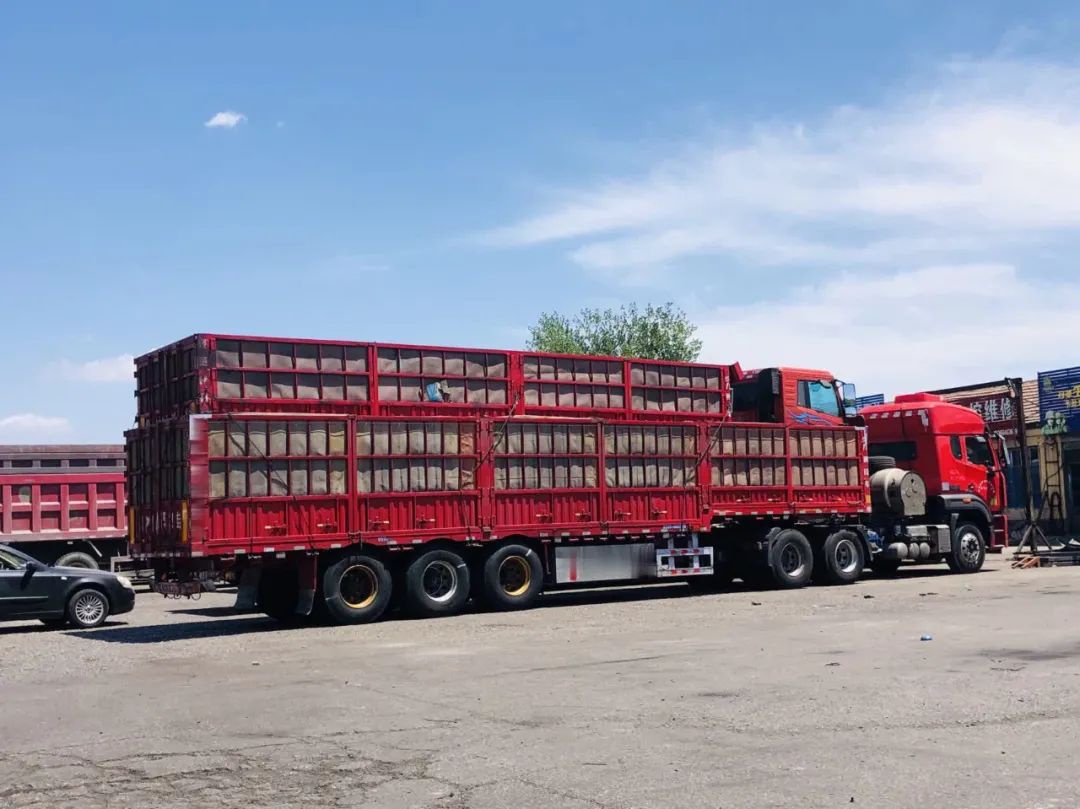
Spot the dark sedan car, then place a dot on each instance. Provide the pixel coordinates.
(59, 595)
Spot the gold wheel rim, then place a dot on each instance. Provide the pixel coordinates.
(515, 576)
(359, 587)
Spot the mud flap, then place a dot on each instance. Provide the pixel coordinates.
(247, 590)
(307, 573)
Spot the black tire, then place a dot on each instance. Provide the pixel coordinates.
(436, 583)
(841, 559)
(513, 578)
(969, 549)
(78, 559)
(879, 462)
(885, 568)
(356, 589)
(791, 560)
(87, 608)
(279, 591)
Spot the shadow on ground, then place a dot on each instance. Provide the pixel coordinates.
(233, 622)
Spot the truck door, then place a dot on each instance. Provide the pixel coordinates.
(975, 469)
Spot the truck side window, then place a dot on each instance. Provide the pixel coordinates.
(954, 444)
(819, 397)
(978, 451)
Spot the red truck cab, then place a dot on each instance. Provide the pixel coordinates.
(797, 397)
(950, 447)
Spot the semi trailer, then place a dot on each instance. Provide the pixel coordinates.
(342, 478)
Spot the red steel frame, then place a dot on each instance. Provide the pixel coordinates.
(282, 523)
(201, 376)
(65, 511)
(181, 379)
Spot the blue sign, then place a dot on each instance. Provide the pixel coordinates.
(1059, 397)
(866, 401)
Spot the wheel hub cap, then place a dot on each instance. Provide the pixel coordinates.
(440, 581)
(515, 576)
(88, 609)
(791, 560)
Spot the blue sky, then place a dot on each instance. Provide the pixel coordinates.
(887, 189)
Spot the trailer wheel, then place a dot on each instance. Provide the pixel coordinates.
(513, 578)
(791, 559)
(77, 559)
(969, 549)
(356, 589)
(841, 559)
(436, 583)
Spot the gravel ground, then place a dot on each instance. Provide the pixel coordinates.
(641, 697)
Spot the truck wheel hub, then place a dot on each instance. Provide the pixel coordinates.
(440, 581)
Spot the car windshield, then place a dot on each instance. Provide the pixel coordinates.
(11, 558)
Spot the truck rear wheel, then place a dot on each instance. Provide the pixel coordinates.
(77, 559)
(841, 559)
(356, 589)
(969, 549)
(791, 559)
(436, 583)
(513, 578)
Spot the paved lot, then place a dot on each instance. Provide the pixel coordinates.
(646, 698)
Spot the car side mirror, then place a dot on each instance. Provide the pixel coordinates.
(34, 567)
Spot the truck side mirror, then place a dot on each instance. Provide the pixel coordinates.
(847, 393)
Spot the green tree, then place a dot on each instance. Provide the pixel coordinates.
(655, 332)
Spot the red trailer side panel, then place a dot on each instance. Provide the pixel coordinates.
(62, 492)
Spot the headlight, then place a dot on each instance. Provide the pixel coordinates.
(125, 582)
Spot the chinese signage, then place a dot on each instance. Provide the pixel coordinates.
(866, 401)
(1059, 397)
(998, 410)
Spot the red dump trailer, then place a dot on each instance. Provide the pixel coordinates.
(65, 504)
(338, 477)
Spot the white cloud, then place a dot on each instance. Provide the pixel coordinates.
(226, 119)
(985, 155)
(22, 428)
(903, 332)
(110, 369)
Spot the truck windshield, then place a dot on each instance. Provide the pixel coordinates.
(818, 396)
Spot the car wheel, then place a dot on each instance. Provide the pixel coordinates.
(77, 559)
(88, 608)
